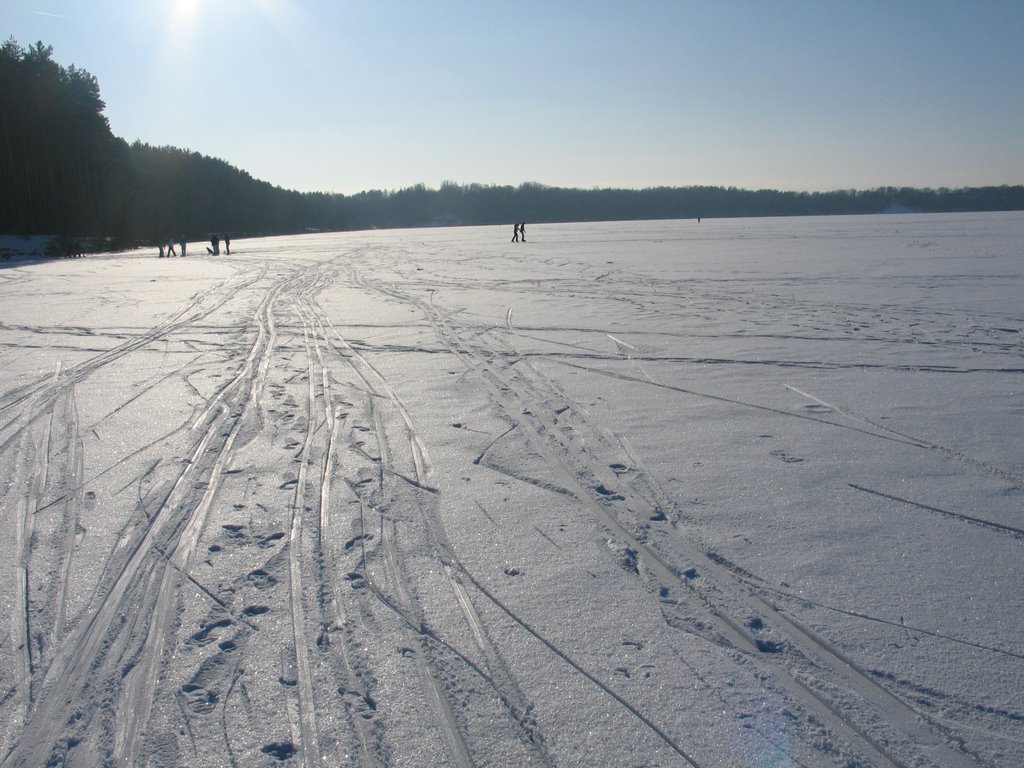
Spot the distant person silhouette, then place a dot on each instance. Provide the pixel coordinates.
(522, 231)
(227, 245)
(182, 243)
(515, 232)
(170, 248)
(214, 248)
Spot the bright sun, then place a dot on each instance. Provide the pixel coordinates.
(189, 22)
(183, 12)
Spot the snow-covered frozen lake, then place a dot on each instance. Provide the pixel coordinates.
(735, 493)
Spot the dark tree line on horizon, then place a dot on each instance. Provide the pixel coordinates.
(62, 172)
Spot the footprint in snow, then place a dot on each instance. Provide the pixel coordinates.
(261, 579)
(198, 699)
(268, 541)
(279, 750)
(356, 539)
(207, 632)
(625, 557)
(786, 458)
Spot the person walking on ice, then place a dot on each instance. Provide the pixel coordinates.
(515, 232)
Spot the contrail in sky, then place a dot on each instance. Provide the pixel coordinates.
(45, 13)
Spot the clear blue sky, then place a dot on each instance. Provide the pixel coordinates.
(347, 95)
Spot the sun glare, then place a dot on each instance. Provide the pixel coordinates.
(194, 40)
(183, 12)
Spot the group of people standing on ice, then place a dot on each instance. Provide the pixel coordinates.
(214, 247)
(519, 232)
(167, 246)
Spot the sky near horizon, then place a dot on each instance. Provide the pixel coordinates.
(349, 95)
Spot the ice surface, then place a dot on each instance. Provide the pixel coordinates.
(735, 493)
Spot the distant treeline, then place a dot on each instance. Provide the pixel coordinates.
(479, 204)
(63, 172)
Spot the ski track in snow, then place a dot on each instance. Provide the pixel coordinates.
(324, 502)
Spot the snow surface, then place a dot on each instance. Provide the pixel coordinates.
(735, 493)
